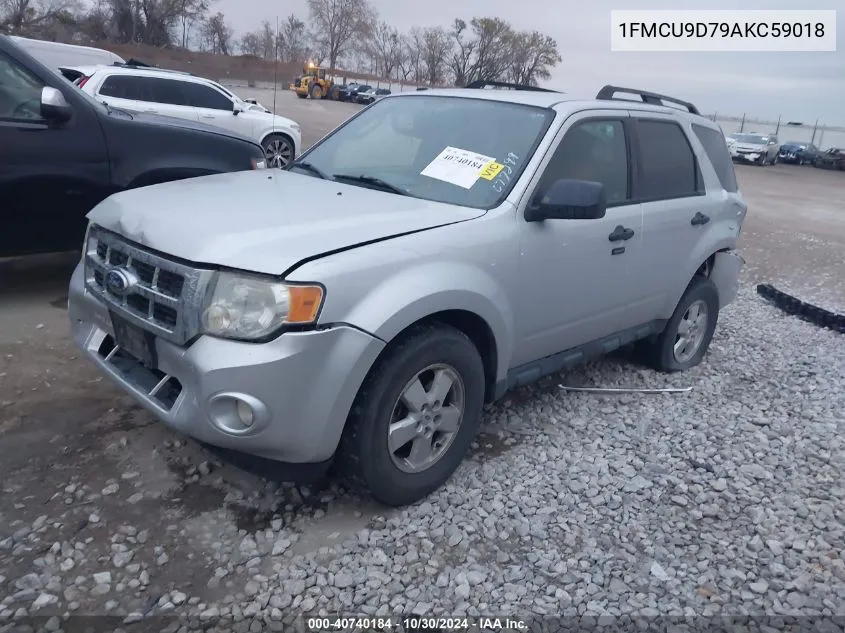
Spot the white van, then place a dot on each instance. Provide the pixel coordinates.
(56, 55)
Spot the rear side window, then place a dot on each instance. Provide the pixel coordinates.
(717, 152)
(121, 87)
(666, 165)
(201, 96)
(165, 91)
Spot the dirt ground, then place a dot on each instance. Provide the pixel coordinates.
(78, 453)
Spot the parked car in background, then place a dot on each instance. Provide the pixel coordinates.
(193, 98)
(366, 98)
(353, 93)
(796, 153)
(345, 90)
(63, 152)
(54, 55)
(311, 324)
(79, 75)
(754, 147)
(833, 158)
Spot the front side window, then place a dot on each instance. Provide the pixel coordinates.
(457, 150)
(594, 150)
(20, 92)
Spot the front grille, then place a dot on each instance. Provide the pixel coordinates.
(164, 296)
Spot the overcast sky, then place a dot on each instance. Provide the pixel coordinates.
(799, 86)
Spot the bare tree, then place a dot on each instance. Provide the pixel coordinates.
(436, 47)
(462, 54)
(216, 35)
(385, 48)
(190, 11)
(27, 17)
(336, 22)
(493, 38)
(293, 45)
(533, 55)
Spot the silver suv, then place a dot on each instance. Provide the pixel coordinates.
(434, 251)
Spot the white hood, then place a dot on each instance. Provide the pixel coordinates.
(265, 220)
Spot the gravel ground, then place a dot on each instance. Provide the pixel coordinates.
(724, 500)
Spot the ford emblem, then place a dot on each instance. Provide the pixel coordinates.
(119, 281)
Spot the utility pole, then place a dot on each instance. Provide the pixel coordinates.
(815, 127)
(742, 123)
(777, 129)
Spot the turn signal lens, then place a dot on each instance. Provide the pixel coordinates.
(305, 302)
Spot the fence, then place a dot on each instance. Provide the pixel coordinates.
(822, 136)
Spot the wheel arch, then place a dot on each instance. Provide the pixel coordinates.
(475, 328)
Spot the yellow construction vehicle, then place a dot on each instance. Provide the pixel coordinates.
(314, 83)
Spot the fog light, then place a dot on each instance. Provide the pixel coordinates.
(245, 413)
(237, 413)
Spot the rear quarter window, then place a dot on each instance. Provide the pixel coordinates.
(717, 152)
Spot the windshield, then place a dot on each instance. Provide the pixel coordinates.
(455, 150)
(754, 139)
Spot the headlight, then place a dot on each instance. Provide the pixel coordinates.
(294, 126)
(259, 163)
(249, 308)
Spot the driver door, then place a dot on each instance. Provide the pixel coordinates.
(575, 274)
(51, 174)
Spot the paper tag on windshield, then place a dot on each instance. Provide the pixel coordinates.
(457, 166)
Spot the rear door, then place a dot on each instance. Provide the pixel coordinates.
(167, 98)
(679, 212)
(215, 108)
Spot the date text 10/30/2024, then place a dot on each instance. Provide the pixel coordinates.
(414, 623)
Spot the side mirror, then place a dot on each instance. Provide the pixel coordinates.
(236, 109)
(54, 106)
(569, 200)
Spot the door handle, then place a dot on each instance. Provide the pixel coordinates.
(208, 116)
(151, 110)
(621, 233)
(699, 218)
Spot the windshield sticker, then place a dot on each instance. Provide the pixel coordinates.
(491, 170)
(458, 167)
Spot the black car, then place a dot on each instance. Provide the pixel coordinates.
(371, 95)
(62, 152)
(833, 158)
(345, 90)
(359, 88)
(798, 153)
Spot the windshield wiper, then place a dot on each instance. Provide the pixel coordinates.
(306, 166)
(371, 180)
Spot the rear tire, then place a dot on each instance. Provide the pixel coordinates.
(663, 353)
(398, 404)
(301, 96)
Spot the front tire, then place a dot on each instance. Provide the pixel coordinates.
(414, 417)
(316, 92)
(684, 342)
(278, 150)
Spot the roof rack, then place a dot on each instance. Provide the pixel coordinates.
(607, 94)
(483, 83)
(136, 63)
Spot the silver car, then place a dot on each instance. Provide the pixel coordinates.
(755, 148)
(436, 250)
